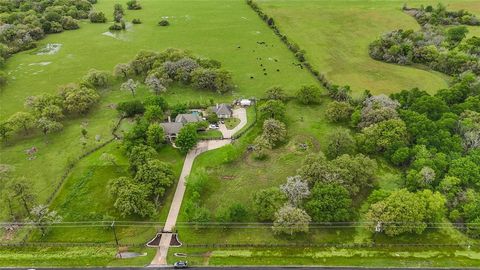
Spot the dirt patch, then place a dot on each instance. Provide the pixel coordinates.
(228, 177)
(155, 241)
(174, 242)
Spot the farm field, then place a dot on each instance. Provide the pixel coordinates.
(213, 40)
(285, 124)
(336, 35)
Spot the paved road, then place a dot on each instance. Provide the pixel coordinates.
(160, 258)
(240, 113)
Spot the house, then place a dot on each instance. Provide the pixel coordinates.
(186, 118)
(245, 102)
(222, 110)
(171, 129)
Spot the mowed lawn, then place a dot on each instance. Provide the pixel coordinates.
(227, 31)
(336, 35)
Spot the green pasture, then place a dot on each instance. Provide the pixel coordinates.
(227, 31)
(336, 35)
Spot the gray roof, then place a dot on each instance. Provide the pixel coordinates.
(222, 109)
(187, 118)
(171, 127)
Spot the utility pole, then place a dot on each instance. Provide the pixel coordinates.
(116, 239)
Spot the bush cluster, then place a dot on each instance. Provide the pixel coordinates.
(443, 49)
(159, 70)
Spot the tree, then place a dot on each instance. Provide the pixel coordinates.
(401, 212)
(420, 179)
(329, 203)
(470, 129)
(456, 34)
(48, 126)
(353, 172)
(22, 120)
(310, 94)
(6, 131)
(290, 220)
(313, 168)
(187, 138)
(338, 111)
(155, 136)
(467, 169)
(155, 84)
(340, 93)
(153, 113)
(109, 159)
(118, 12)
(122, 71)
(383, 136)
(218, 80)
(212, 118)
(234, 213)
(274, 132)
(296, 190)
(261, 144)
(97, 17)
(131, 108)
(139, 155)
(340, 142)
(52, 112)
(276, 92)
(3, 78)
(433, 107)
(130, 85)
(266, 203)
(78, 99)
(42, 217)
(21, 190)
(97, 79)
(377, 109)
(156, 176)
(273, 109)
(133, 5)
(130, 197)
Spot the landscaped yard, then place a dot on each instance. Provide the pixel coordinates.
(232, 122)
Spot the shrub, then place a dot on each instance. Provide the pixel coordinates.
(338, 111)
(115, 27)
(97, 17)
(133, 5)
(131, 108)
(309, 94)
(136, 21)
(163, 23)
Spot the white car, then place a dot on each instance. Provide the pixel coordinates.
(213, 126)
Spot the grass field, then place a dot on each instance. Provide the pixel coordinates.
(385, 257)
(336, 35)
(218, 38)
(228, 31)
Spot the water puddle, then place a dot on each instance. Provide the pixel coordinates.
(49, 49)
